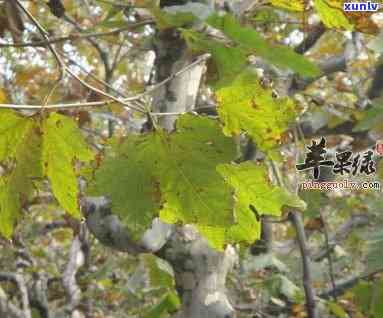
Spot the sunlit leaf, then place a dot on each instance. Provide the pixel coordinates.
(246, 106)
(170, 174)
(332, 15)
(62, 146)
(255, 196)
(293, 5)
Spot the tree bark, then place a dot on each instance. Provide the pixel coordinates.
(200, 271)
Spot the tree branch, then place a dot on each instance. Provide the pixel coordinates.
(296, 220)
(64, 68)
(307, 279)
(76, 261)
(356, 220)
(23, 290)
(124, 101)
(342, 287)
(74, 37)
(311, 39)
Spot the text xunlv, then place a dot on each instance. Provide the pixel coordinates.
(361, 6)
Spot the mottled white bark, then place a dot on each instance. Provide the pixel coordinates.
(200, 274)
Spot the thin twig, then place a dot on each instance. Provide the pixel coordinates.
(329, 256)
(117, 55)
(124, 101)
(73, 37)
(202, 58)
(94, 77)
(95, 89)
(52, 90)
(44, 34)
(64, 68)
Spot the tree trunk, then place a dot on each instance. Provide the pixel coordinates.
(200, 271)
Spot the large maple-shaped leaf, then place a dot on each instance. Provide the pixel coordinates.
(62, 145)
(175, 174)
(250, 40)
(247, 106)
(127, 177)
(192, 189)
(20, 148)
(254, 194)
(32, 148)
(170, 174)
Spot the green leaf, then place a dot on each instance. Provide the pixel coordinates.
(12, 133)
(193, 191)
(363, 295)
(246, 106)
(315, 200)
(369, 297)
(377, 303)
(371, 118)
(32, 150)
(331, 14)
(253, 42)
(160, 273)
(176, 175)
(63, 144)
(20, 147)
(170, 174)
(114, 18)
(228, 61)
(169, 304)
(254, 194)
(337, 310)
(128, 179)
(375, 246)
(167, 20)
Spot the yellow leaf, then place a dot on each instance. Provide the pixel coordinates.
(332, 15)
(293, 5)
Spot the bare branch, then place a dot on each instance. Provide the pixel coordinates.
(64, 68)
(329, 257)
(76, 261)
(343, 286)
(296, 219)
(44, 34)
(307, 280)
(124, 101)
(311, 39)
(356, 220)
(74, 37)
